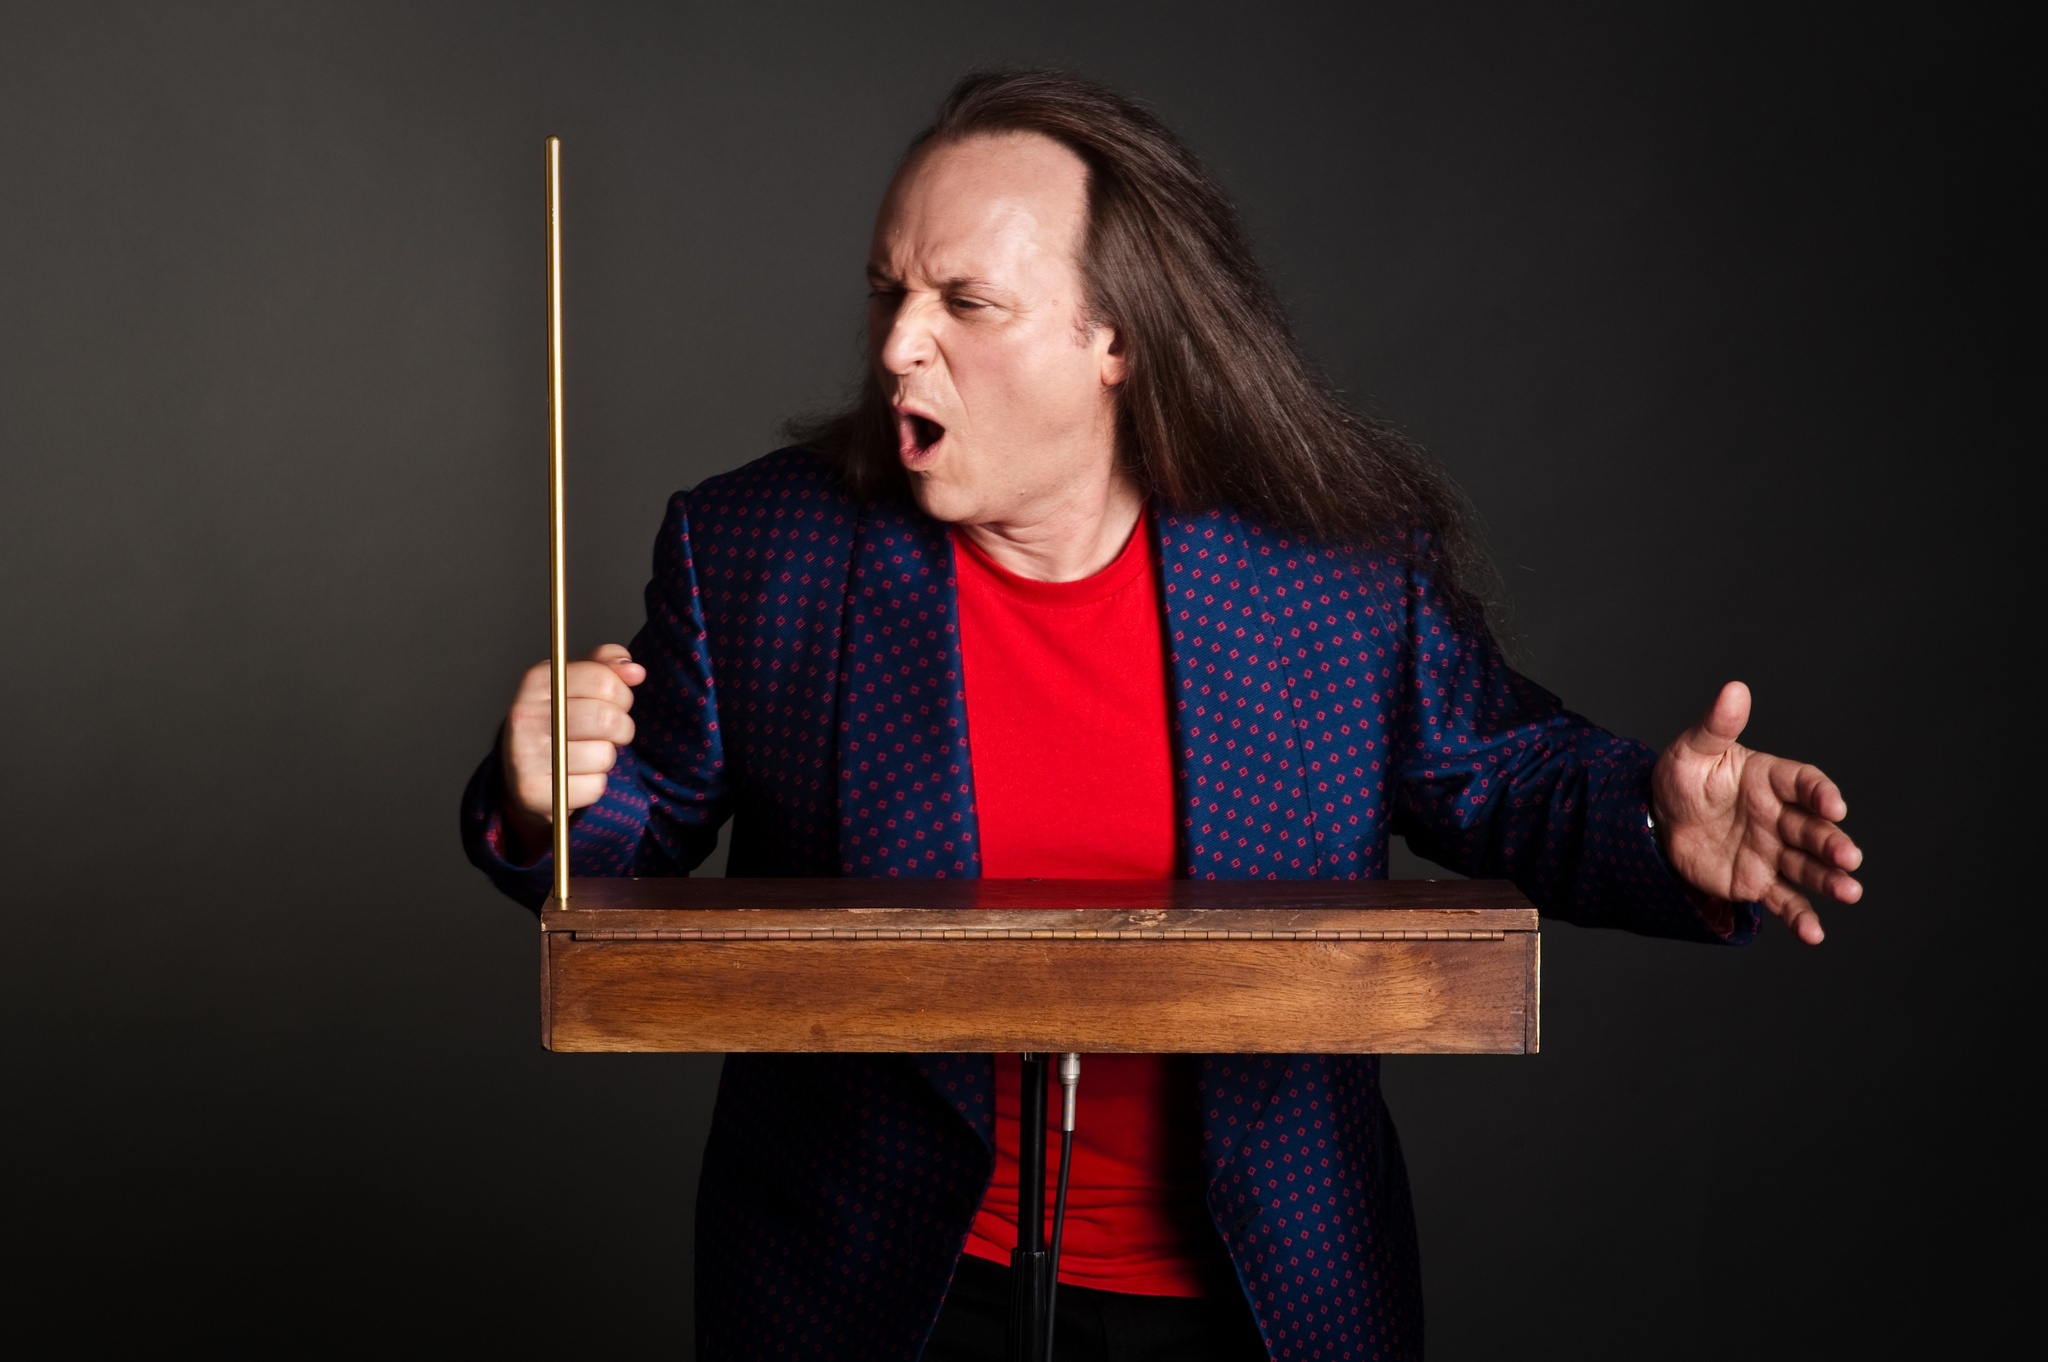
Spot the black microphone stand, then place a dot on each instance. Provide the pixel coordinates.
(1028, 1324)
(1034, 1273)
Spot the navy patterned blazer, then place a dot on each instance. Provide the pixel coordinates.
(803, 660)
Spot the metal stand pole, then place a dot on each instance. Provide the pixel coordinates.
(1070, 1080)
(1028, 1259)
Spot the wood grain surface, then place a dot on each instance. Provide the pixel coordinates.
(995, 965)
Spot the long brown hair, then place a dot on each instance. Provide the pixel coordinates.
(1218, 407)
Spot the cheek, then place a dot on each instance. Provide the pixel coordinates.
(1042, 382)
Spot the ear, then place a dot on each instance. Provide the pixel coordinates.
(1109, 352)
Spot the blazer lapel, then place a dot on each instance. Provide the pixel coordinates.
(906, 787)
(1245, 807)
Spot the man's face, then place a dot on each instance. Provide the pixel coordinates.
(978, 325)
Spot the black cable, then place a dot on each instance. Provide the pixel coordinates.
(1059, 1227)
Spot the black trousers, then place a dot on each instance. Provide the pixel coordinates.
(1094, 1326)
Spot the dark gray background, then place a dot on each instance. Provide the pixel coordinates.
(1703, 305)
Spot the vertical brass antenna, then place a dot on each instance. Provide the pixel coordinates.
(558, 588)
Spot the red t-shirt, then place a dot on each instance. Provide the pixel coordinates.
(1073, 779)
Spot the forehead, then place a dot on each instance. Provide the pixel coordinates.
(983, 205)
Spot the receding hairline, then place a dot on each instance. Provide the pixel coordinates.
(918, 153)
(925, 148)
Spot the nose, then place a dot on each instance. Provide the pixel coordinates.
(906, 343)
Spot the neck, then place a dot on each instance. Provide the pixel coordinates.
(1077, 537)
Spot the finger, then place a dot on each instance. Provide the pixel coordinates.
(590, 758)
(1797, 782)
(1791, 907)
(1722, 724)
(533, 684)
(598, 719)
(1821, 795)
(536, 795)
(585, 791)
(536, 781)
(596, 681)
(620, 661)
(1818, 877)
(1818, 838)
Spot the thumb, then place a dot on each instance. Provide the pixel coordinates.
(620, 661)
(1722, 724)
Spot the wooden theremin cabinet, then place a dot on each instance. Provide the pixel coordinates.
(1095, 967)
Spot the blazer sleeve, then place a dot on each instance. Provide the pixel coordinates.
(1496, 779)
(667, 793)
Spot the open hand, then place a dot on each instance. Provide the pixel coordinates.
(1744, 825)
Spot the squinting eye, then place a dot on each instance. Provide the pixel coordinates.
(965, 304)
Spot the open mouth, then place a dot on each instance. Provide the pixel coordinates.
(917, 435)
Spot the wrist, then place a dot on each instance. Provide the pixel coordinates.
(524, 836)
(1716, 910)
(1659, 830)
(527, 836)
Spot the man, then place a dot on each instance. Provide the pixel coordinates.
(1094, 581)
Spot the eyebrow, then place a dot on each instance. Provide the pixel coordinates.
(962, 283)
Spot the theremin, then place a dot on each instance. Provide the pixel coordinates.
(896, 965)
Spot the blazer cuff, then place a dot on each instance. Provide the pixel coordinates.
(491, 844)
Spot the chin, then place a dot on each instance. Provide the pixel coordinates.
(939, 499)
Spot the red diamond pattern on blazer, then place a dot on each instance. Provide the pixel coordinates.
(906, 796)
